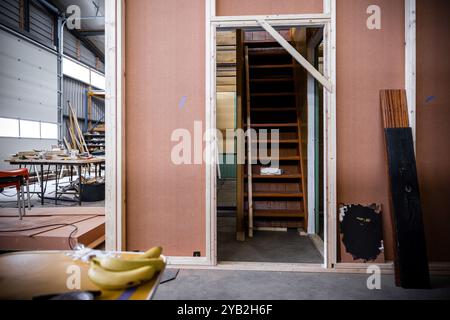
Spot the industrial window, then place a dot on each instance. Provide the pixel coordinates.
(97, 80)
(15, 128)
(82, 73)
(30, 129)
(9, 128)
(49, 130)
(76, 71)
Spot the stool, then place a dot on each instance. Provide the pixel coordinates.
(17, 178)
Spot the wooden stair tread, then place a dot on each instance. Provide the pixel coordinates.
(273, 94)
(272, 194)
(279, 213)
(268, 52)
(272, 66)
(264, 44)
(259, 80)
(287, 158)
(281, 109)
(275, 177)
(287, 141)
(274, 125)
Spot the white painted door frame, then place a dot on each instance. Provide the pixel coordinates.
(115, 126)
(328, 21)
(410, 62)
(311, 102)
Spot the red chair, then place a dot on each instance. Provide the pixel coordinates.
(17, 178)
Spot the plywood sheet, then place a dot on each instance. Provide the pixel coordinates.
(262, 7)
(50, 232)
(89, 230)
(165, 86)
(226, 56)
(226, 38)
(367, 61)
(226, 102)
(433, 118)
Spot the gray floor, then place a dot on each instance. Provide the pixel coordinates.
(265, 246)
(241, 285)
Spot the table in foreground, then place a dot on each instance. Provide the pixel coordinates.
(26, 275)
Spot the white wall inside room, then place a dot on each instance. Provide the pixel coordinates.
(28, 90)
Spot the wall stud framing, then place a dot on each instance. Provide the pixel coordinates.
(410, 62)
(210, 123)
(115, 129)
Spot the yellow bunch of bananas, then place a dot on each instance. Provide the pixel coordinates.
(119, 273)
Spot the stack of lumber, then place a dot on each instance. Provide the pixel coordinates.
(77, 141)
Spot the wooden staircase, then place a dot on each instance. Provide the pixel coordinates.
(272, 103)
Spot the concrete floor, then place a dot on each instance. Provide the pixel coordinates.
(265, 246)
(243, 285)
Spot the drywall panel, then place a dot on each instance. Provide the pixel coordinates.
(367, 61)
(262, 7)
(165, 90)
(433, 118)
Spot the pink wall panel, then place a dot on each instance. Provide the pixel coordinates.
(367, 61)
(433, 119)
(165, 61)
(261, 7)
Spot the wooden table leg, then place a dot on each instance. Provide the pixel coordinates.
(56, 185)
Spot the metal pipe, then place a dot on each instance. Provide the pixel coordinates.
(61, 77)
(49, 7)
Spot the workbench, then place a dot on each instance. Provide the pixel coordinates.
(59, 163)
(29, 275)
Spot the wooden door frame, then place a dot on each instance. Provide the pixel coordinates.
(311, 104)
(327, 20)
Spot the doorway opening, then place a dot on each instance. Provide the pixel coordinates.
(270, 184)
